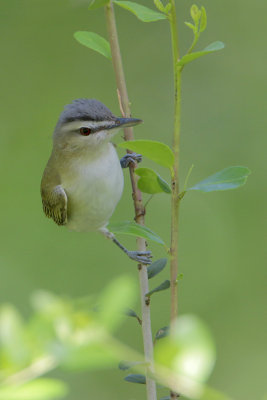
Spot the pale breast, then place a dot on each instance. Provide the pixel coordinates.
(93, 188)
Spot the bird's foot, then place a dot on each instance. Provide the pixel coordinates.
(142, 257)
(130, 158)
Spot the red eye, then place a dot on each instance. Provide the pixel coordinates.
(85, 131)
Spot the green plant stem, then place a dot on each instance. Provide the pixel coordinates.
(175, 172)
(137, 199)
(175, 200)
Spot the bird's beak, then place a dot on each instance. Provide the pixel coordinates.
(126, 122)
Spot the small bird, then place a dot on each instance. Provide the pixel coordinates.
(83, 180)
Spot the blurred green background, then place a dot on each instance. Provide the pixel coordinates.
(222, 235)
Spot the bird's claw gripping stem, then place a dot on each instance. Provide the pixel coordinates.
(130, 158)
(142, 257)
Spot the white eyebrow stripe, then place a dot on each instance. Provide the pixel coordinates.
(94, 125)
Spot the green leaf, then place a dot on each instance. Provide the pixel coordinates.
(159, 5)
(117, 296)
(151, 182)
(164, 185)
(155, 151)
(191, 26)
(141, 12)
(228, 178)
(195, 13)
(189, 351)
(163, 286)
(162, 332)
(216, 46)
(156, 267)
(39, 389)
(203, 20)
(96, 355)
(179, 277)
(168, 8)
(136, 378)
(13, 343)
(97, 4)
(94, 42)
(133, 229)
(131, 313)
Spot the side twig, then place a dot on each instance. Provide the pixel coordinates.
(137, 197)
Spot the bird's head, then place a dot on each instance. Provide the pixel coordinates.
(86, 124)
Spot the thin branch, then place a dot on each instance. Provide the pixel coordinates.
(137, 198)
(175, 176)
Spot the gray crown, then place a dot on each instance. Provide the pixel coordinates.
(85, 110)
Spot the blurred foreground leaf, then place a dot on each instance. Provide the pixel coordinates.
(189, 351)
(117, 296)
(228, 178)
(133, 229)
(155, 151)
(96, 355)
(14, 346)
(39, 389)
(151, 182)
(141, 12)
(215, 46)
(94, 42)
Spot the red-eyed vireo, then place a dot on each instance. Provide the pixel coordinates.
(83, 180)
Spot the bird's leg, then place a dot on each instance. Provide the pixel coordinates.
(130, 158)
(142, 257)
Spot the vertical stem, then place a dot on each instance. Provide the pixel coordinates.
(175, 173)
(137, 199)
(175, 176)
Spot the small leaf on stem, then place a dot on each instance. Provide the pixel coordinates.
(228, 178)
(133, 229)
(191, 26)
(97, 4)
(203, 20)
(159, 5)
(179, 277)
(94, 42)
(136, 378)
(195, 13)
(162, 332)
(155, 151)
(192, 56)
(141, 12)
(131, 313)
(151, 182)
(156, 267)
(163, 286)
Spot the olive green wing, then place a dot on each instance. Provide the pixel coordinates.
(53, 195)
(55, 204)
